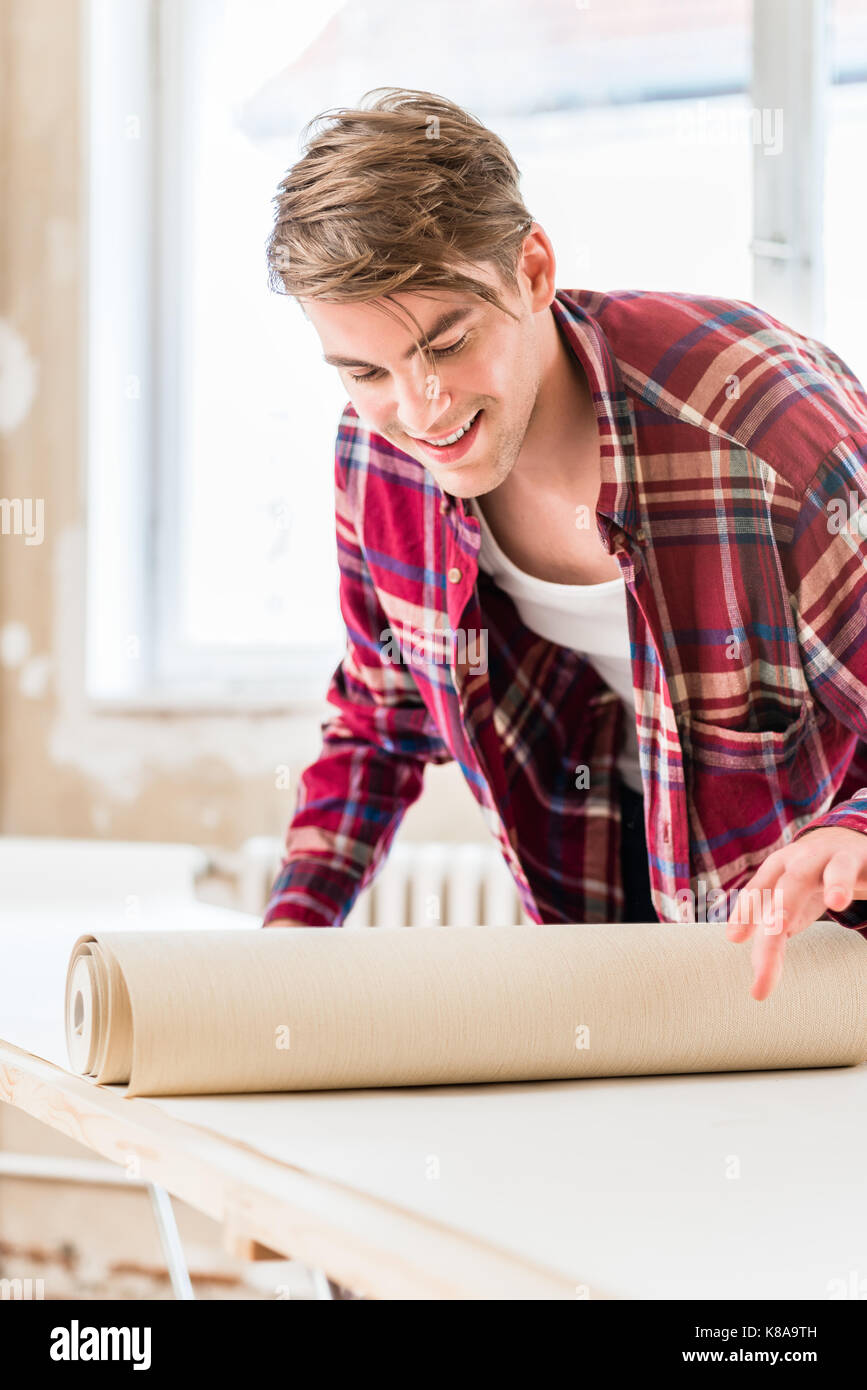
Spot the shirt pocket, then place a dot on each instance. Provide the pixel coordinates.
(715, 747)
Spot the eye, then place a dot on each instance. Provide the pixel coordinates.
(366, 376)
(437, 352)
(455, 347)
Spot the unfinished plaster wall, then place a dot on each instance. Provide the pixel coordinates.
(67, 770)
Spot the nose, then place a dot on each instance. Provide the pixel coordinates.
(421, 401)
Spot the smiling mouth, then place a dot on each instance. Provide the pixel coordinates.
(450, 449)
(444, 440)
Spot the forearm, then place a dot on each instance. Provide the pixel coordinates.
(371, 766)
(351, 801)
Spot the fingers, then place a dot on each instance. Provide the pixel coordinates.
(839, 879)
(798, 898)
(789, 892)
(758, 903)
(773, 902)
(767, 958)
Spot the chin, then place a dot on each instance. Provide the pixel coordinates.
(483, 480)
(461, 487)
(471, 480)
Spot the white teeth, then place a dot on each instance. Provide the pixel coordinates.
(452, 438)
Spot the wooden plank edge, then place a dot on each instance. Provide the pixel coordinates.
(364, 1243)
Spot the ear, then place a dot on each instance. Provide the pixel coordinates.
(537, 268)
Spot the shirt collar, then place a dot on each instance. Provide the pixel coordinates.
(614, 415)
(583, 336)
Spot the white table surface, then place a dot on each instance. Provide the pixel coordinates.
(723, 1185)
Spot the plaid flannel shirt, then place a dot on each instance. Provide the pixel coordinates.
(734, 496)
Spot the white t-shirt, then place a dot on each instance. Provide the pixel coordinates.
(589, 618)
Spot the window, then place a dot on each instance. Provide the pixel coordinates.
(846, 189)
(212, 416)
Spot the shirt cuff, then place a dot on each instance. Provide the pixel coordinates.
(311, 893)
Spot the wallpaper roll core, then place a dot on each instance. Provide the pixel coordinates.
(307, 1008)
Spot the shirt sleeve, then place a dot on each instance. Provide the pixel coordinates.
(828, 583)
(370, 769)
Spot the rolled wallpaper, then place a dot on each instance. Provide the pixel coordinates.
(308, 1008)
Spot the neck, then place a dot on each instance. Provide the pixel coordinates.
(563, 432)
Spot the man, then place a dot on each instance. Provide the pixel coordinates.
(653, 507)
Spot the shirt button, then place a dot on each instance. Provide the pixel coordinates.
(444, 506)
(454, 575)
(639, 535)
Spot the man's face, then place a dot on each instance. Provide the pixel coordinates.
(487, 374)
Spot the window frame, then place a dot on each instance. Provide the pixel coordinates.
(791, 71)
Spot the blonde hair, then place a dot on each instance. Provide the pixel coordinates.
(396, 195)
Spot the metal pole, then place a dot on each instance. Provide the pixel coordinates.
(171, 1241)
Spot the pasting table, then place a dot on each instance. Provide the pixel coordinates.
(717, 1186)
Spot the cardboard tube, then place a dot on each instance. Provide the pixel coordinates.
(98, 1017)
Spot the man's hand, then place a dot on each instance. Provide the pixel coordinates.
(825, 869)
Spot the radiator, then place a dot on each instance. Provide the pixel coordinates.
(420, 884)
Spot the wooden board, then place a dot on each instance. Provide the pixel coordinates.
(370, 1246)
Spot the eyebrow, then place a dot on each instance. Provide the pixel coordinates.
(444, 322)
